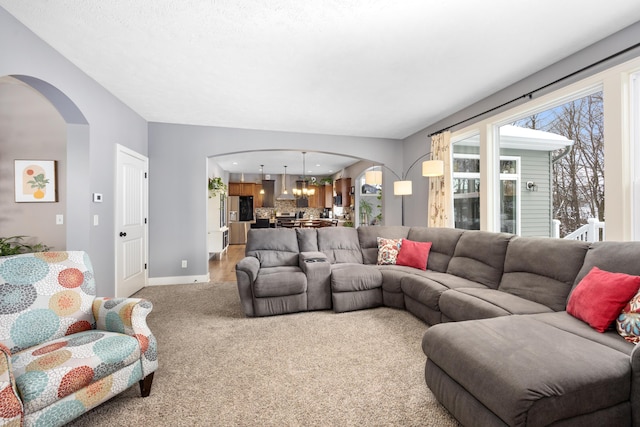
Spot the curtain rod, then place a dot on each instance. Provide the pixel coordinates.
(530, 94)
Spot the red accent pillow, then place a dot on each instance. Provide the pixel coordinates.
(414, 254)
(600, 297)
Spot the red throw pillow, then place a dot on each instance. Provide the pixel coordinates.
(414, 254)
(600, 297)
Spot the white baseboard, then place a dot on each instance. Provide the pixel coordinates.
(178, 280)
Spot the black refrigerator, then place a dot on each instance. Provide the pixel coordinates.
(246, 208)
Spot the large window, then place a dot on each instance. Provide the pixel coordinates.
(562, 170)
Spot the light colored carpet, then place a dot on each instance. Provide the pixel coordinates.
(317, 368)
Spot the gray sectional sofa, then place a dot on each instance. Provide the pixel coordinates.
(501, 349)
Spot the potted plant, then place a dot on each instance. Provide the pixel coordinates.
(365, 209)
(14, 245)
(217, 186)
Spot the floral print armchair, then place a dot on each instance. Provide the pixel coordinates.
(62, 350)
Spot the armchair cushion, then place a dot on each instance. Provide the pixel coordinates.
(53, 370)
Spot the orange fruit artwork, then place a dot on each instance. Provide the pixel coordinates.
(34, 181)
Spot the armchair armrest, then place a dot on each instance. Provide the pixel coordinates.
(129, 316)
(11, 407)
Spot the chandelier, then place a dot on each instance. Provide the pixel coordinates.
(304, 192)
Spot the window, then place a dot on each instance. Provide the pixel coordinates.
(466, 192)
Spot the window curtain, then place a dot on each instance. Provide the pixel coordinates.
(440, 198)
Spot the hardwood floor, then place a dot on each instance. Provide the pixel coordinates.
(222, 267)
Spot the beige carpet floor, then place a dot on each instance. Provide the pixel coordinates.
(218, 368)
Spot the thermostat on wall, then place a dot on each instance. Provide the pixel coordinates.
(97, 197)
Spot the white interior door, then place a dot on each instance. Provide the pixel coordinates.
(131, 221)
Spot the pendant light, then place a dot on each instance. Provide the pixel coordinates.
(285, 195)
(261, 179)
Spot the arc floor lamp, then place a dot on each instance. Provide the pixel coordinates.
(404, 187)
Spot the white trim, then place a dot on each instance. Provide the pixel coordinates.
(634, 81)
(178, 280)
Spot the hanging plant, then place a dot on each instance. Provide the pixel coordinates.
(217, 186)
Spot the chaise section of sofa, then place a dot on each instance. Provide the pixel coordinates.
(544, 368)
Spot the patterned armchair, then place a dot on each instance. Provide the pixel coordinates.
(62, 350)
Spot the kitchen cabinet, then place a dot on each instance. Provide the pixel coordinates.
(242, 189)
(343, 188)
(328, 196)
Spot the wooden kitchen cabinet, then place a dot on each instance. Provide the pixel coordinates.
(242, 189)
(328, 196)
(343, 189)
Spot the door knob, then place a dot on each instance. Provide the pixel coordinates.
(123, 234)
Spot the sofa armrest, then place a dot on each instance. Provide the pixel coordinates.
(12, 410)
(246, 274)
(250, 266)
(129, 316)
(305, 259)
(316, 266)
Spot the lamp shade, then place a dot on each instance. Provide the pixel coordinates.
(432, 168)
(402, 188)
(373, 177)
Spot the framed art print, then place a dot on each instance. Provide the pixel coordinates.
(35, 181)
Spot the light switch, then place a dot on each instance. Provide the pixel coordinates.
(96, 221)
(59, 219)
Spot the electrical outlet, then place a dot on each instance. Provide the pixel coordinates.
(184, 263)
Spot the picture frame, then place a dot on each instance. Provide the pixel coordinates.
(35, 181)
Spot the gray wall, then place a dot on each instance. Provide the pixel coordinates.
(414, 144)
(177, 186)
(96, 122)
(31, 128)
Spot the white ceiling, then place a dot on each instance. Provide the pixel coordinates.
(317, 164)
(382, 68)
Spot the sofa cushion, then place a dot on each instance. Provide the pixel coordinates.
(52, 370)
(307, 239)
(600, 297)
(347, 277)
(279, 281)
(414, 254)
(482, 303)
(388, 251)
(340, 244)
(542, 269)
(566, 322)
(443, 244)
(528, 372)
(479, 257)
(618, 257)
(273, 246)
(367, 236)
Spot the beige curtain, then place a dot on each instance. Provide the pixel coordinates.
(440, 197)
